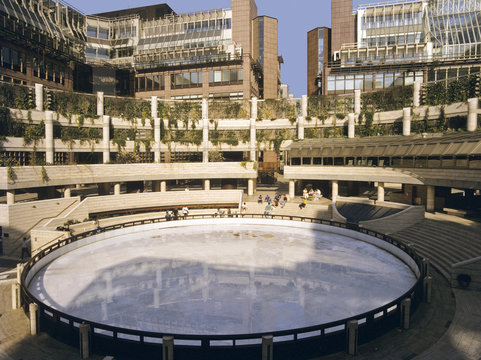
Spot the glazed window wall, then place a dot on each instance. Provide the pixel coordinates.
(348, 83)
(150, 83)
(225, 77)
(186, 80)
(48, 71)
(12, 59)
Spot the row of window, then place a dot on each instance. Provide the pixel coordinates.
(402, 39)
(48, 70)
(389, 20)
(206, 25)
(226, 77)
(372, 81)
(101, 53)
(12, 59)
(150, 83)
(186, 80)
(122, 32)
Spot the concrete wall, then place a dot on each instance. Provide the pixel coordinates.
(470, 267)
(21, 218)
(396, 222)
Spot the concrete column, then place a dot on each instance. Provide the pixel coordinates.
(84, 340)
(20, 267)
(10, 197)
(357, 102)
(168, 348)
(16, 297)
(153, 107)
(251, 183)
(163, 186)
(253, 130)
(206, 184)
(430, 192)
(380, 191)
(106, 139)
(352, 336)
(117, 189)
(300, 119)
(34, 318)
(351, 130)
(405, 313)
(39, 97)
(292, 189)
(427, 282)
(100, 103)
(335, 190)
(304, 106)
(267, 347)
(205, 135)
(472, 114)
(417, 94)
(406, 121)
(49, 144)
(253, 140)
(157, 140)
(155, 186)
(67, 192)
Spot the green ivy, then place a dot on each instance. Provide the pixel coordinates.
(393, 98)
(455, 91)
(16, 96)
(69, 104)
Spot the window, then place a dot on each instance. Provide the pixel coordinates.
(92, 31)
(227, 24)
(104, 33)
(379, 81)
(6, 57)
(148, 83)
(368, 81)
(349, 82)
(141, 86)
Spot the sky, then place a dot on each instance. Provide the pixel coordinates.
(295, 18)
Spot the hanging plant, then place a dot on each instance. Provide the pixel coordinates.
(44, 175)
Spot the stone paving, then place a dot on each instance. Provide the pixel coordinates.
(448, 328)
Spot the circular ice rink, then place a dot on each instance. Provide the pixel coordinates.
(220, 276)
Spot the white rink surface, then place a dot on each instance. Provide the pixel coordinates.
(222, 279)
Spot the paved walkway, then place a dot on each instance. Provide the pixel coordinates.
(448, 328)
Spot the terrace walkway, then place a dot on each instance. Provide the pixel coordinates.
(448, 328)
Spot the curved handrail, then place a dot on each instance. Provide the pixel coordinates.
(99, 329)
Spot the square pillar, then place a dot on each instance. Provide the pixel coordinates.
(100, 103)
(251, 183)
(206, 184)
(430, 196)
(163, 186)
(10, 197)
(49, 142)
(380, 191)
(292, 189)
(67, 192)
(335, 190)
(106, 139)
(39, 97)
(117, 189)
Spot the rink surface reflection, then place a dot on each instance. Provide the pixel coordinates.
(221, 279)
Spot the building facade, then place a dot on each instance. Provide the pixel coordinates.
(398, 43)
(141, 52)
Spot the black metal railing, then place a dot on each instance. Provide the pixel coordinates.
(326, 337)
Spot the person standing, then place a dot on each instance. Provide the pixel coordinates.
(185, 211)
(267, 210)
(25, 247)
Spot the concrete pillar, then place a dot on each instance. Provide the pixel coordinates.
(300, 119)
(253, 130)
(205, 130)
(380, 191)
(267, 347)
(153, 107)
(352, 335)
(20, 267)
(406, 121)
(117, 189)
(106, 139)
(16, 297)
(251, 183)
(84, 340)
(206, 184)
(427, 283)
(253, 140)
(405, 313)
(357, 102)
(472, 114)
(168, 348)
(292, 189)
(100, 103)
(10, 197)
(49, 144)
(39, 97)
(67, 193)
(351, 130)
(157, 140)
(430, 191)
(155, 186)
(335, 190)
(163, 186)
(304, 106)
(34, 318)
(417, 94)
